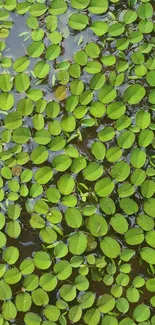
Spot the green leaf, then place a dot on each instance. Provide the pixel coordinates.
(6, 101)
(119, 223)
(120, 171)
(67, 292)
(145, 10)
(150, 285)
(93, 171)
(149, 207)
(132, 294)
(107, 205)
(104, 187)
(48, 235)
(39, 155)
(137, 158)
(107, 94)
(106, 303)
(116, 29)
(21, 135)
(148, 255)
(61, 162)
(52, 52)
(108, 319)
(23, 301)
(150, 236)
(40, 297)
(13, 229)
(51, 312)
(98, 7)
(66, 184)
(86, 299)
(129, 16)
(34, 94)
(73, 217)
(63, 270)
(9, 310)
(42, 260)
(78, 21)
(110, 247)
(148, 188)
(116, 110)
(99, 27)
(78, 164)
(48, 282)
(98, 150)
(13, 121)
(41, 69)
(141, 313)
(43, 175)
(92, 50)
(75, 314)
(30, 282)
(93, 67)
(37, 9)
(35, 49)
(81, 57)
(32, 319)
(113, 154)
(77, 243)
(11, 255)
(21, 64)
(3, 239)
(68, 123)
(5, 291)
(27, 266)
(60, 250)
(145, 222)
(97, 225)
(122, 305)
(79, 4)
(6, 82)
(126, 139)
(53, 195)
(92, 316)
(58, 7)
(134, 94)
(134, 236)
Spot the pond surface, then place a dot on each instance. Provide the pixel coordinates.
(77, 158)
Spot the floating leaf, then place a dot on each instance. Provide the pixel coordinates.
(97, 7)
(37, 9)
(78, 21)
(97, 225)
(106, 303)
(66, 184)
(5, 291)
(23, 301)
(58, 7)
(73, 217)
(148, 255)
(134, 94)
(9, 310)
(77, 243)
(75, 314)
(141, 313)
(31, 318)
(42, 260)
(110, 247)
(93, 171)
(86, 299)
(104, 187)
